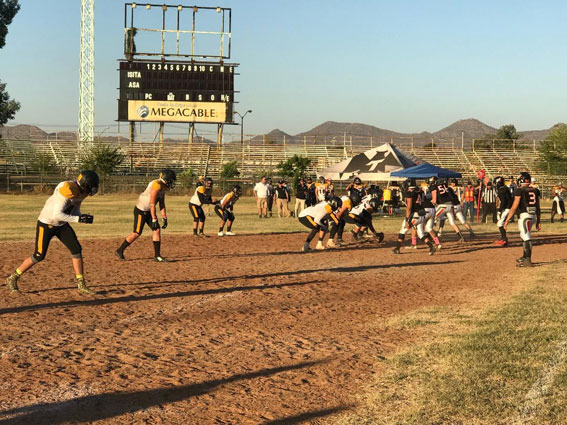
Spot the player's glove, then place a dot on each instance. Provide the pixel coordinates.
(155, 224)
(164, 225)
(86, 218)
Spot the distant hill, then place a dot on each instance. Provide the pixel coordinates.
(273, 136)
(471, 128)
(538, 134)
(23, 132)
(334, 129)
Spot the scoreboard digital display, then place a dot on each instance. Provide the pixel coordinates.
(189, 92)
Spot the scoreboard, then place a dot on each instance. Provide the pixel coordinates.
(191, 92)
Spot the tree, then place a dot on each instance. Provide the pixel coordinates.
(8, 108)
(8, 9)
(294, 167)
(507, 132)
(553, 151)
(43, 164)
(229, 170)
(104, 159)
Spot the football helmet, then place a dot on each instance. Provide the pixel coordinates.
(335, 202)
(88, 181)
(524, 177)
(355, 197)
(169, 177)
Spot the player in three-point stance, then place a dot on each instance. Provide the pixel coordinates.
(526, 202)
(315, 218)
(62, 208)
(202, 196)
(361, 217)
(225, 210)
(442, 200)
(337, 218)
(145, 212)
(506, 201)
(415, 215)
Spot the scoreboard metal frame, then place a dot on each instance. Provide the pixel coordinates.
(176, 84)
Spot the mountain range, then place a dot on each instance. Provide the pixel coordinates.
(468, 129)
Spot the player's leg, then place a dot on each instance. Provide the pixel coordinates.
(202, 218)
(229, 221)
(140, 219)
(195, 213)
(503, 235)
(451, 220)
(67, 236)
(334, 229)
(308, 222)
(525, 225)
(220, 212)
(419, 224)
(429, 227)
(401, 236)
(43, 235)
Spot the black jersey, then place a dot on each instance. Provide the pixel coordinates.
(529, 200)
(505, 197)
(427, 200)
(416, 197)
(443, 195)
(454, 197)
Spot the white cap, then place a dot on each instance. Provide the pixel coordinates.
(533, 179)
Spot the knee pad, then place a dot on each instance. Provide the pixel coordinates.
(79, 255)
(36, 258)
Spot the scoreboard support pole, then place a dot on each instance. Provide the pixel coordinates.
(161, 129)
(219, 134)
(131, 139)
(191, 132)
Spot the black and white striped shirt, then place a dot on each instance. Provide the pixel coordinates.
(489, 195)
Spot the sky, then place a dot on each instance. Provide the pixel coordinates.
(407, 66)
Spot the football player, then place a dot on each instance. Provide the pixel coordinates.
(415, 216)
(526, 201)
(225, 210)
(337, 218)
(60, 209)
(315, 218)
(145, 212)
(361, 217)
(506, 201)
(442, 200)
(457, 209)
(202, 196)
(320, 189)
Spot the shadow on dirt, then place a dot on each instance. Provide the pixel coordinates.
(109, 405)
(301, 418)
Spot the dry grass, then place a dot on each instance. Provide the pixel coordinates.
(478, 368)
(113, 217)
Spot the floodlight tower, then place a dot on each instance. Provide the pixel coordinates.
(86, 74)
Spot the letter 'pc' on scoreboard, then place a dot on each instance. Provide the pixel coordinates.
(173, 72)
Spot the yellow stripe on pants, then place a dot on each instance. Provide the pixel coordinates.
(311, 221)
(138, 226)
(40, 241)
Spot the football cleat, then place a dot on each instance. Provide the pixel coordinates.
(306, 247)
(161, 259)
(380, 236)
(220, 233)
(340, 242)
(396, 251)
(230, 234)
(438, 247)
(320, 246)
(331, 244)
(432, 250)
(526, 263)
(12, 282)
(83, 288)
(120, 254)
(411, 247)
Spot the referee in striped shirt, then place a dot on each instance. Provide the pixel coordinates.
(489, 196)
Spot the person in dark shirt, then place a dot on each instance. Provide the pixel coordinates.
(310, 195)
(281, 196)
(505, 203)
(526, 201)
(300, 196)
(270, 196)
(443, 201)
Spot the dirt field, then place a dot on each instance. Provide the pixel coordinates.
(242, 330)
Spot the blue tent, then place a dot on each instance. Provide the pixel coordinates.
(425, 170)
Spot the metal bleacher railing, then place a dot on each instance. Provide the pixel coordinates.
(20, 157)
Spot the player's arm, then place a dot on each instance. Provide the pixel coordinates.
(538, 215)
(224, 204)
(163, 212)
(409, 205)
(341, 212)
(154, 194)
(513, 209)
(433, 197)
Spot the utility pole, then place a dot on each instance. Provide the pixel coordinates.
(86, 76)
(242, 125)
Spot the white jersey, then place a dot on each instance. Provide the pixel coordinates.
(230, 198)
(143, 203)
(317, 212)
(195, 198)
(364, 204)
(64, 206)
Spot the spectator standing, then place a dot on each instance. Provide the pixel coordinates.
(310, 196)
(288, 190)
(468, 200)
(330, 190)
(300, 196)
(489, 196)
(281, 197)
(558, 206)
(270, 195)
(261, 195)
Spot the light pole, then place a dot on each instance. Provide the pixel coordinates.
(242, 124)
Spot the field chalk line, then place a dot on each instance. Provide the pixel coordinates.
(540, 388)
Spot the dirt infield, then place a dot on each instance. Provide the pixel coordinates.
(241, 330)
